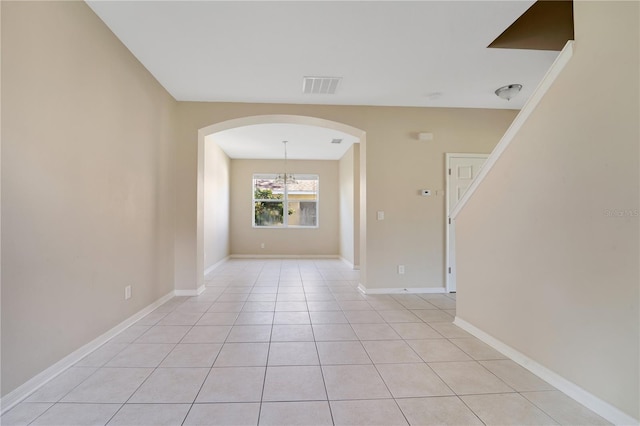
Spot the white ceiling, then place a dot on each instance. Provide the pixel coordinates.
(416, 53)
(393, 53)
(264, 141)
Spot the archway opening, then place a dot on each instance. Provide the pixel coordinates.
(214, 188)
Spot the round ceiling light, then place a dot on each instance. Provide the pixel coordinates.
(509, 91)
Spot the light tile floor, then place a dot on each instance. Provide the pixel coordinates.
(293, 342)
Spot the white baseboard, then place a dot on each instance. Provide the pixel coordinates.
(393, 290)
(214, 266)
(284, 256)
(349, 264)
(26, 389)
(191, 293)
(597, 405)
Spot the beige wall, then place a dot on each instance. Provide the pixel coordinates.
(357, 241)
(397, 166)
(217, 177)
(87, 184)
(246, 240)
(542, 266)
(347, 205)
(100, 181)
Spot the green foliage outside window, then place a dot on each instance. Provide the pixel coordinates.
(269, 213)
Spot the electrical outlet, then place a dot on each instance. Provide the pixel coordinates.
(127, 292)
(262, 245)
(400, 269)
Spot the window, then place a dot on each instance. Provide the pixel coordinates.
(271, 196)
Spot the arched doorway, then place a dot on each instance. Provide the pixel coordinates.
(359, 220)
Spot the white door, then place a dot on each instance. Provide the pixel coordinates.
(461, 169)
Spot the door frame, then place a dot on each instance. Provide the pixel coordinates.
(450, 224)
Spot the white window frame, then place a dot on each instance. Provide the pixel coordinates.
(285, 201)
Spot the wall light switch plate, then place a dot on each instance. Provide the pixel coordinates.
(380, 215)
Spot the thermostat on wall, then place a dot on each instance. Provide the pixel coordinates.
(425, 192)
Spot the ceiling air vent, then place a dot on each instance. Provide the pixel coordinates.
(320, 85)
(336, 141)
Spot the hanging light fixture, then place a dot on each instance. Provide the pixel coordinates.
(509, 91)
(285, 178)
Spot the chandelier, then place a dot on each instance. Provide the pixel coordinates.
(285, 178)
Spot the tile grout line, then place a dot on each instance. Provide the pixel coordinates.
(149, 375)
(315, 344)
(266, 367)
(338, 291)
(97, 368)
(156, 367)
(104, 365)
(208, 373)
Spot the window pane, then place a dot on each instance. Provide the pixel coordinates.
(266, 187)
(280, 205)
(268, 213)
(305, 188)
(303, 213)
